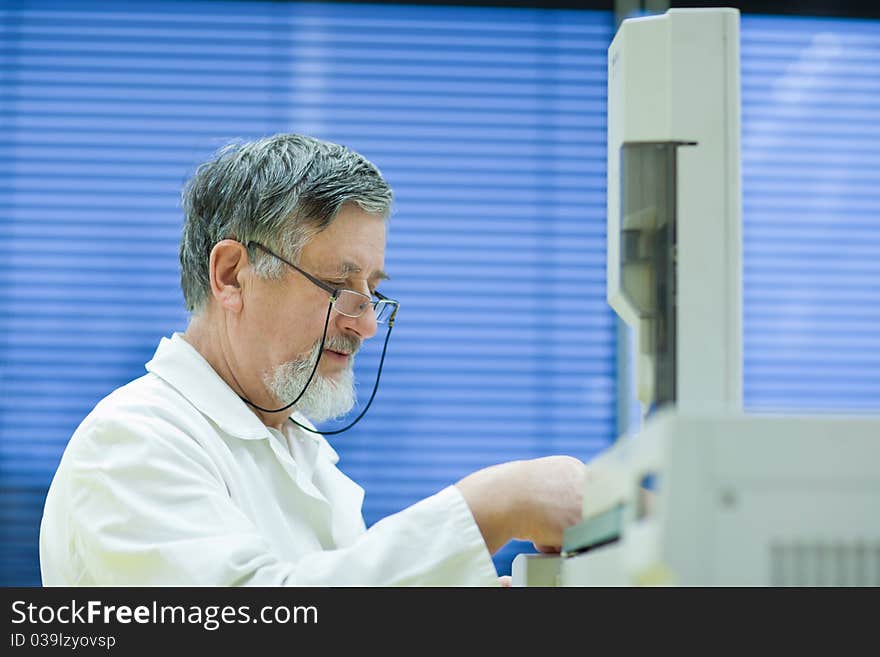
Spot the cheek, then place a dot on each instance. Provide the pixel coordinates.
(295, 333)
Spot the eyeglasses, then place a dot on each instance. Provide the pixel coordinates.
(345, 302)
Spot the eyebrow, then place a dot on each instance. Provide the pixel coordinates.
(348, 268)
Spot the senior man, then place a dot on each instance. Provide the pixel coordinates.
(208, 470)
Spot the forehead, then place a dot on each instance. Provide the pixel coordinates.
(353, 245)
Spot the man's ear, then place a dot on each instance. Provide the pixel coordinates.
(228, 258)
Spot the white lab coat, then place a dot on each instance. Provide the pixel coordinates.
(172, 480)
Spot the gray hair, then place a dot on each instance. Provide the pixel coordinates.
(279, 191)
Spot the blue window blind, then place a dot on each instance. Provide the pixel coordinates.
(490, 126)
(811, 224)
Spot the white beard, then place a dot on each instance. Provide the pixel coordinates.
(325, 398)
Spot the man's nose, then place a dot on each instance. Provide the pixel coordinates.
(364, 326)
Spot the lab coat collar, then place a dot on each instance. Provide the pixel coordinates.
(182, 367)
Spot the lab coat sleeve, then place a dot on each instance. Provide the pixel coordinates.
(148, 507)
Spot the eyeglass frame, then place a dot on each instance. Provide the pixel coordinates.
(333, 291)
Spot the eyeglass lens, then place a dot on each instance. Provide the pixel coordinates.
(353, 304)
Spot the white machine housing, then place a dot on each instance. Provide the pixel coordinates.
(735, 499)
(675, 78)
(741, 501)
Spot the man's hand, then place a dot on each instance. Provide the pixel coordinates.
(532, 500)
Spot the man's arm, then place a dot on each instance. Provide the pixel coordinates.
(533, 500)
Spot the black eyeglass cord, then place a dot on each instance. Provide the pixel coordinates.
(311, 376)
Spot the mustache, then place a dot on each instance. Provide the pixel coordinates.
(347, 344)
